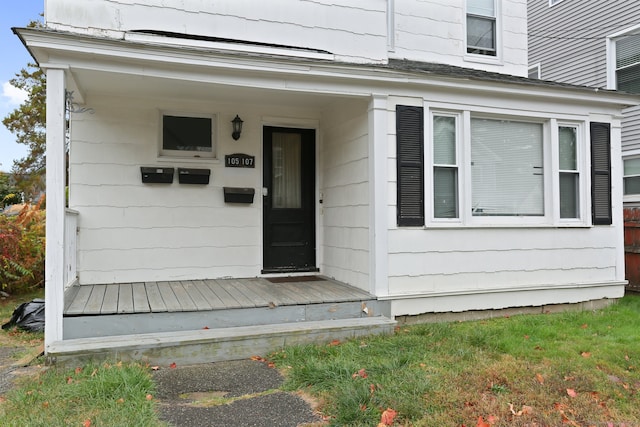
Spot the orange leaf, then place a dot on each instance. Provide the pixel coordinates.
(121, 400)
(149, 397)
(78, 370)
(527, 410)
(173, 365)
(585, 354)
(571, 392)
(206, 327)
(388, 416)
(362, 373)
(69, 380)
(540, 378)
(86, 423)
(334, 343)
(481, 423)
(45, 404)
(584, 326)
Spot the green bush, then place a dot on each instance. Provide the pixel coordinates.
(22, 250)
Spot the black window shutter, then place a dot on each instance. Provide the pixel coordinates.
(410, 163)
(601, 173)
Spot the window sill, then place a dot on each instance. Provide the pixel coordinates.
(483, 59)
(192, 160)
(458, 226)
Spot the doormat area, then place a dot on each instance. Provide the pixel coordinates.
(294, 279)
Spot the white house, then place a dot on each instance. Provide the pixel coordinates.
(395, 148)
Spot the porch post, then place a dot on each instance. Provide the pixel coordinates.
(378, 197)
(55, 157)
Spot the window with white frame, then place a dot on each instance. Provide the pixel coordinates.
(503, 171)
(569, 173)
(627, 63)
(632, 176)
(534, 71)
(481, 27)
(507, 168)
(445, 167)
(188, 136)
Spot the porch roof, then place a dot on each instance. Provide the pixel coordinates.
(292, 74)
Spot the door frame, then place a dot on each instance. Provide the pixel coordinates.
(302, 124)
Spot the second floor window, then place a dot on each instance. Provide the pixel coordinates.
(481, 27)
(628, 63)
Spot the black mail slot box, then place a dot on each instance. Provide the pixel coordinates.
(157, 175)
(238, 195)
(193, 176)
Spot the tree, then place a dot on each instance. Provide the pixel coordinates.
(27, 123)
(9, 194)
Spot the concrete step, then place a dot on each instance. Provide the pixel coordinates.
(143, 323)
(212, 345)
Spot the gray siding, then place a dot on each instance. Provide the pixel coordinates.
(568, 40)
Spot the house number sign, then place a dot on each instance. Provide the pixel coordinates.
(239, 160)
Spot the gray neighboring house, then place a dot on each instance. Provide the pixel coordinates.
(593, 43)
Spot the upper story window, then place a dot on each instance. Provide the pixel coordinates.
(628, 63)
(481, 27)
(534, 71)
(188, 136)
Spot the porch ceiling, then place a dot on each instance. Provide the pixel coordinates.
(93, 82)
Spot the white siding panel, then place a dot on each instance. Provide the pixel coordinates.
(353, 29)
(345, 208)
(631, 129)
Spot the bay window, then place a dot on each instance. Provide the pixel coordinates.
(506, 171)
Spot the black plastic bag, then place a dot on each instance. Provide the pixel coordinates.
(28, 316)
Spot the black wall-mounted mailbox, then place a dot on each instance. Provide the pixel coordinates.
(238, 195)
(157, 175)
(193, 176)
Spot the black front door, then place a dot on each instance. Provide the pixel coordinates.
(289, 200)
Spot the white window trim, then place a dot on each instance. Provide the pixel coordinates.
(188, 156)
(581, 168)
(486, 59)
(629, 197)
(538, 68)
(611, 53)
(554, 2)
(430, 164)
(551, 186)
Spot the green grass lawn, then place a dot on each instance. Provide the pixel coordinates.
(568, 369)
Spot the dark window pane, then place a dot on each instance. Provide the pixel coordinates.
(186, 133)
(481, 35)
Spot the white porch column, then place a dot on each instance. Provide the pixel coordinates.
(56, 167)
(378, 196)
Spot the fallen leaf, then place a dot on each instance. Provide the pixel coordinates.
(492, 419)
(149, 397)
(121, 400)
(69, 380)
(584, 326)
(206, 327)
(334, 343)
(482, 423)
(45, 404)
(388, 416)
(585, 354)
(372, 388)
(626, 357)
(78, 370)
(86, 423)
(173, 365)
(571, 392)
(540, 378)
(526, 337)
(527, 410)
(362, 373)
(257, 358)
(363, 407)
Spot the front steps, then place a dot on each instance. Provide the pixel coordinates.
(213, 345)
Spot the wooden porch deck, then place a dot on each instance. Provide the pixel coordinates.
(206, 295)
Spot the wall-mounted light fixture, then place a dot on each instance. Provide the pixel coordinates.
(237, 127)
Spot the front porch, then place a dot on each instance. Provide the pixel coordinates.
(210, 320)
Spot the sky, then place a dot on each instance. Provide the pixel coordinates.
(13, 57)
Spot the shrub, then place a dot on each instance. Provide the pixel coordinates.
(22, 250)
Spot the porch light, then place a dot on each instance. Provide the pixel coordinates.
(237, 127)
